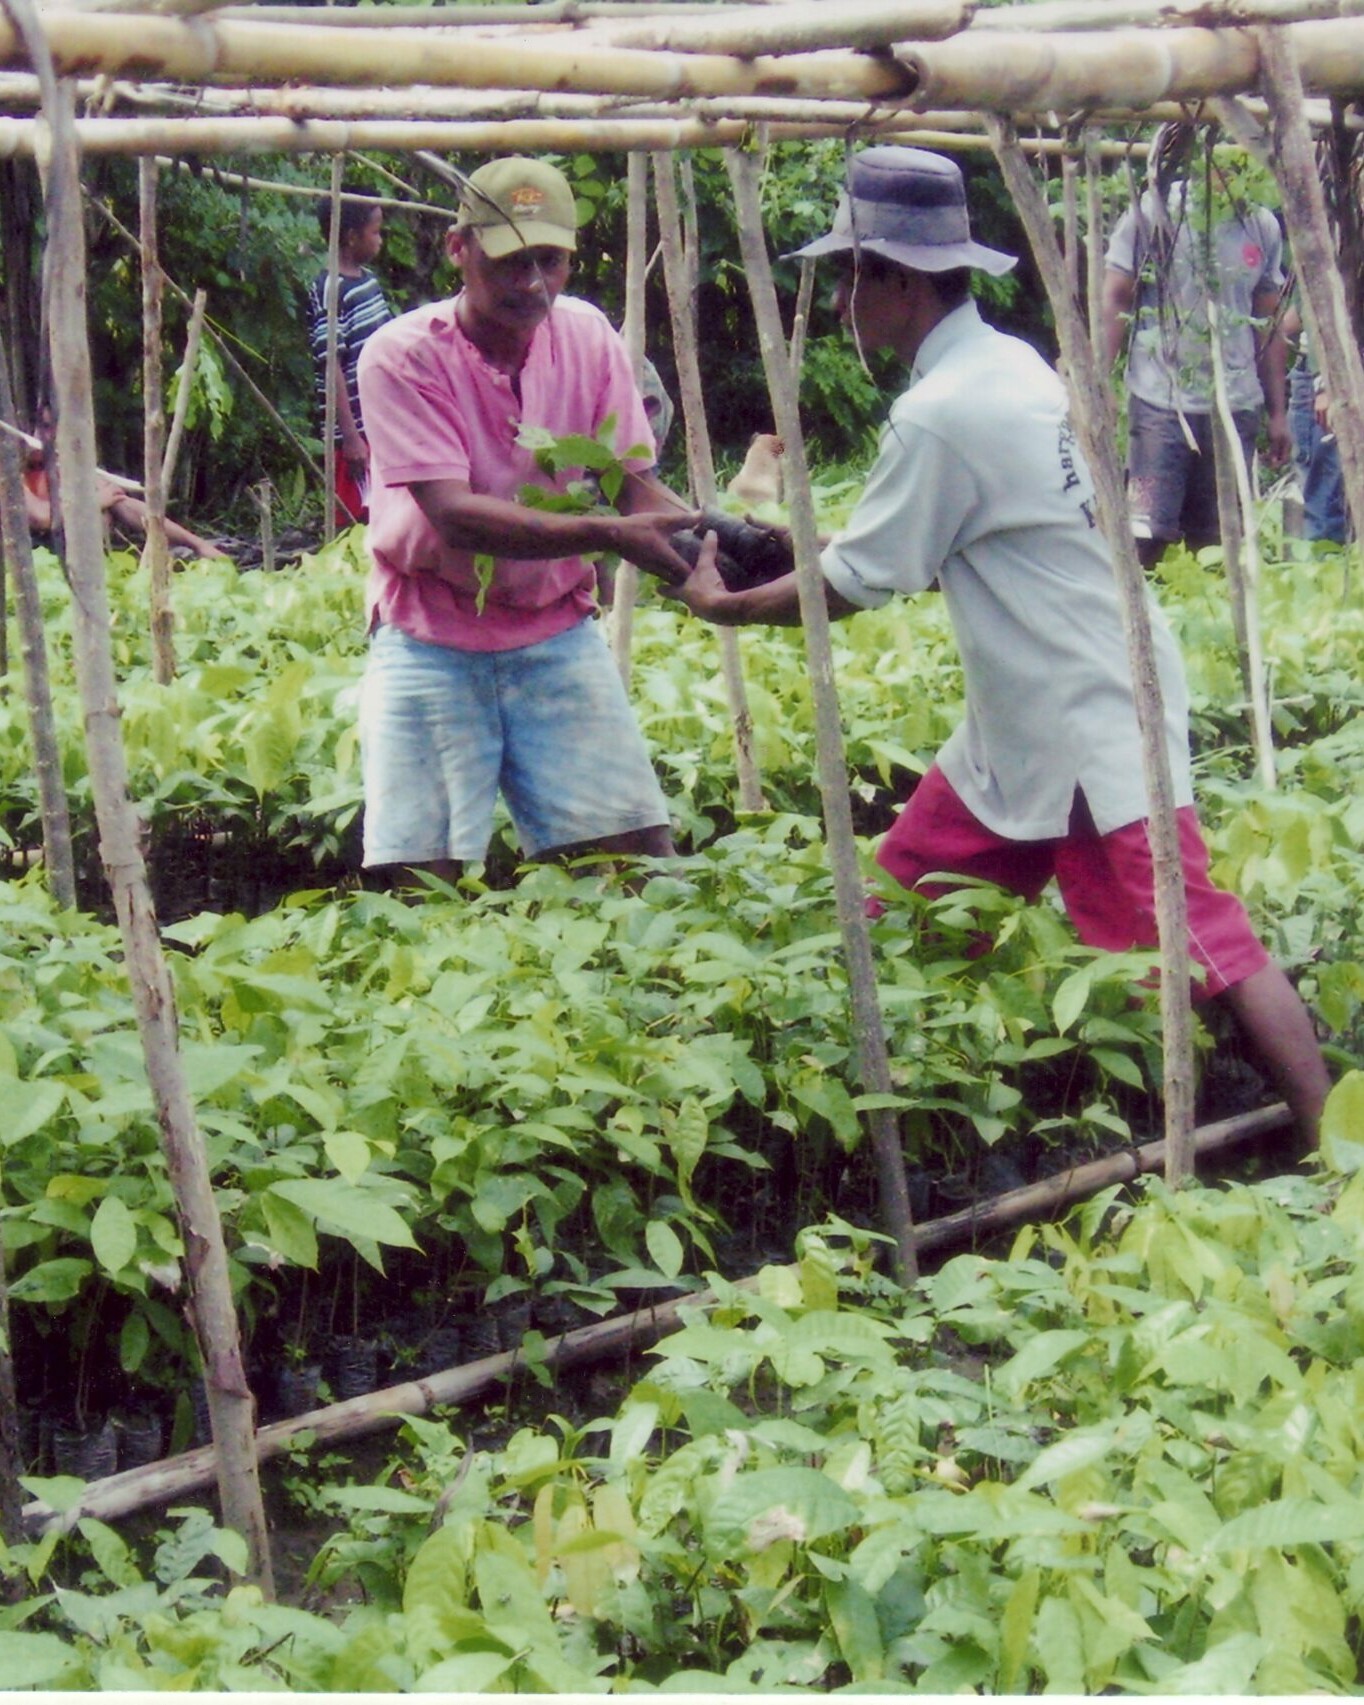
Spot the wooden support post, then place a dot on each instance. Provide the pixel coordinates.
(1323, 293)
(873, 1063)
(1092, 402)
(47, 756)
(701, 458)
(625, 591)
(210, 1289)
(330, 376)
(156, 551)
(193, 337)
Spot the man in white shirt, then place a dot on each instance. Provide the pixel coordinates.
(980, 487)
(1171, 255)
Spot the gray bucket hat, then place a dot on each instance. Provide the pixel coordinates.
(910, 206)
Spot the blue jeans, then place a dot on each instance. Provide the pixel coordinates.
(1317, 460)
(442, 732)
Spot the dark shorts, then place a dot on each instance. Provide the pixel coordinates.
(1106, 881)
(1172, 485)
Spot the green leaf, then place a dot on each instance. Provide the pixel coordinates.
(436, 1582)
(1342, 1125)
(1039, 1356)
(1072, 998)
(29, 1106)
(391, 1499)
(852, 1615)
(470, 1672)
(349, 1153)
(52, 1281)
(1292, 1521)
(772, 1504)
(290, 1230)
(665, 1246)
(113, 1235)
(30, 1661)
(340, 1207)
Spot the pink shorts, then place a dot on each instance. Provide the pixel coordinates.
(1106, 881)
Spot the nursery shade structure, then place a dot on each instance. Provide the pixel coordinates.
(852, 68)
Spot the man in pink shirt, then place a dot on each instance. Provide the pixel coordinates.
(486, 669)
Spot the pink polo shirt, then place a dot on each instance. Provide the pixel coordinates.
(435, 409)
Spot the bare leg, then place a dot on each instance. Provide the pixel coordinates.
(1277, 1025)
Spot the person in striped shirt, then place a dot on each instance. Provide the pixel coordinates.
(361, 309)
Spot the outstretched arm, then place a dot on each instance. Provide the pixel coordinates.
(775, 603)
(469, 521)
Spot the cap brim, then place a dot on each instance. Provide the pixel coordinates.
(922, 257)
(499, 240)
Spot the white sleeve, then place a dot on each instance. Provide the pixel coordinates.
(907, 520)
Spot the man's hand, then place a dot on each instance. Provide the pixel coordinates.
(355, 454)
(645, 539)
(1280, 441)
(703, 591)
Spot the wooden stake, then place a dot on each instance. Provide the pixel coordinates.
(872, 1063)
(329, 370)
(47, 757)
(1092, 403)
(625, 592)
(156, 551)
(1243, 579)
(186, 388)
(1323, 294)
(149, 979)
(701, 459)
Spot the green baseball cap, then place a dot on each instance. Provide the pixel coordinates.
(518, 203)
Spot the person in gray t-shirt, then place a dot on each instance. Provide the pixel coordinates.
(980, 488)
(1172, 255)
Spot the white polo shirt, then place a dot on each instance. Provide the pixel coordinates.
(980, 486)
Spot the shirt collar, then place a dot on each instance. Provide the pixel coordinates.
(953, 329)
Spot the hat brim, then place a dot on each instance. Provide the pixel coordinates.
(500, 240)
(921, 257)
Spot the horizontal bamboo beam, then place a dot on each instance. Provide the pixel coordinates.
(1119, 14)
(1017, 72)
(138, 1488)
(1141, 68)
(796, 27)
(24, 138)
(210, 51)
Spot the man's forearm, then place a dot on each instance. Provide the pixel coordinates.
(491, 526)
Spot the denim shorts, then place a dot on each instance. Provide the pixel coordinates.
(1172, 487)
(547, 725)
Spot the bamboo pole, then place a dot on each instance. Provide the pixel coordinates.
(1323, 294)
(329, 368)
(213, 50)
(156, 551)
(799, 26)
(210, 1290)
(47, 757)
(193, 337)
(1040, 1200)
(1095, 238)
(177, 1477)
(1092, 402)
(625, 592)
(1230, 527)
(872, 1062)
(701, 458)
(1049, 15)
(1245, 586)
